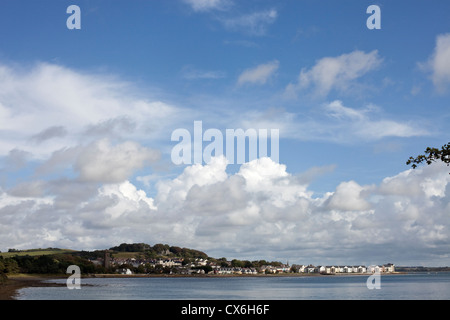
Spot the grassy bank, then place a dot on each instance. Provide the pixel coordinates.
(35, 252)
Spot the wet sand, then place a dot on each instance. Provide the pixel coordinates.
(9, 290)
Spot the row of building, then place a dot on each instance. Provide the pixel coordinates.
(386, 268)
(192, 267)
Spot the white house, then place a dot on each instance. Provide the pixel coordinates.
(125, 271)
(373, 269)
(300, 268)
(362, 269)
(201, 262)
(311, 269)
(389, 267)
(348, 269)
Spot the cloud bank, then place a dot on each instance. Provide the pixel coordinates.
(261, 211)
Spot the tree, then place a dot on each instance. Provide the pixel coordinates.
(186, 261)
(176, 250)
(235, 263)
(140, 269)
(3, 277)
(11, 266)
(206, 269)
(431, 155)
(161, 248)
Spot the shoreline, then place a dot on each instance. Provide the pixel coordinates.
(9, 290)
(293, 275)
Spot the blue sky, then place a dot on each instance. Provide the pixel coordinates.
(87, 117)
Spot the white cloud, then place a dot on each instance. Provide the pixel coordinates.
(255, 23)
(348, 122)
(332, 122)
(105, 163)
(335, 73)
(207, 5)
(199, 175)
(260, 74)
(412, 183)
(335, 122)
(439, 63)
(58, 107)
(129, 197)
(349, 197)
(99, 161)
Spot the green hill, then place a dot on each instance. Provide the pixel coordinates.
(56, 261)
(158, 250)
(34, 252)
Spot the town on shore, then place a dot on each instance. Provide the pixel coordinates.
(143, 259)
(128, 266)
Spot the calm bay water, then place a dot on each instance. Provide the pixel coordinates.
(434, 286)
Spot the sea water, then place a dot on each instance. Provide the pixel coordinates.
(435, 286)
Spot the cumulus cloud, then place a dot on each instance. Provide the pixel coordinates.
(439, 63)
(261, 211)
(128, 199)
(335, 73)
(348, 197)
(198, 175)
(260, 74)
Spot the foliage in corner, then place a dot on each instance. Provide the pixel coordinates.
(431, 155)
